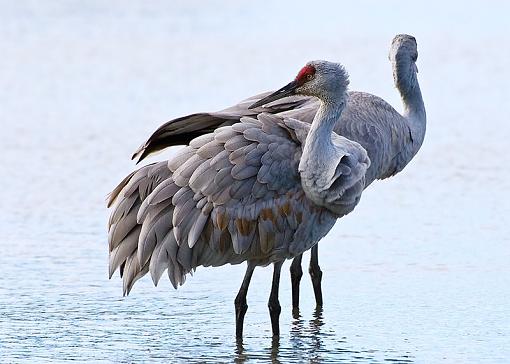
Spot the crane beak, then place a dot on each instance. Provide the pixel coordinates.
(287, 90)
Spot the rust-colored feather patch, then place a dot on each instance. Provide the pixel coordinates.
(221, 221)
(285, 209)
(244, 226)
(267, 214)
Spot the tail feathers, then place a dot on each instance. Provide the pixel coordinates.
(112, 196)
(124, 230)
(153, 230)
(127, 186)
(141, 235)
(132, 273)
(121, 228)
(164, 257)
(124, 249)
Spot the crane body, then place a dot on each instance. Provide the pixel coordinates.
(264, 180)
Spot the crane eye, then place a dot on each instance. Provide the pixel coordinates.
(309, 77)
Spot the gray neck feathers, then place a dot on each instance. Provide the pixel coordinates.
(319, 161)
(318, 142)
(406, 81)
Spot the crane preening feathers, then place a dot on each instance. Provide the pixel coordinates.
(262, 181)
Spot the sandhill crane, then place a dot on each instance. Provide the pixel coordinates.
(390, 139)
(262, 190)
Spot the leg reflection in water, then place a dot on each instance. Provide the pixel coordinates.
(312, 341)
(306, 343)
(273, 352)
(309, 335)
(315, 326)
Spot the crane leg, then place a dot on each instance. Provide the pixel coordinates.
(240, 301)
(295, 277)
(316, 275)
(274, 304)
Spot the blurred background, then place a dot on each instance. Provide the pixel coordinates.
(418, 273)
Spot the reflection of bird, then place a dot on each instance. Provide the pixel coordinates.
(262, 191)
(390, 139)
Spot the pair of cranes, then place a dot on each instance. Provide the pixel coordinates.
(264, 180)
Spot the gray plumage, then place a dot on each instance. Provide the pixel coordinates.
(262, 184)
(197, 208)
(390, 139)
(244, 192)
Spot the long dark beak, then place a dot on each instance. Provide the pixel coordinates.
(287, 90)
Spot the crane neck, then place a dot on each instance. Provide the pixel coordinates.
(318, 142)
(319, 158)
(406, 81)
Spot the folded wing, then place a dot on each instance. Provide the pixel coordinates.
(230, 196)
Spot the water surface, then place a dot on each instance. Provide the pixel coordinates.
(419, 273)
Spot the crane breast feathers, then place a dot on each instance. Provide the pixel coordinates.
(230, 195)
(353, 161)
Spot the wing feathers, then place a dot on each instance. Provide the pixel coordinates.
(232, 195)
(124, 249)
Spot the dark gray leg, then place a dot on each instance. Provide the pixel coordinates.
(274, 304)
(295, 277)
(240, 301)
(316, 275)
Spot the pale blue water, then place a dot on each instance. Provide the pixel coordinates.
(418, 273)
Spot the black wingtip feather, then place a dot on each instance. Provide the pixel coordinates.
(181, 131)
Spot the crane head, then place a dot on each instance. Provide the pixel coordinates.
(403, 48)
(305, 74)
(316, 78)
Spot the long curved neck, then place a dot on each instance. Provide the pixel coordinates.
(406, 81)
(318, 163)
(318, 140)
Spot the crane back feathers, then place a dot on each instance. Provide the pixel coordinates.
(230, 196)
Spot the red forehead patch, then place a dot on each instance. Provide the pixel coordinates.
(305, 71)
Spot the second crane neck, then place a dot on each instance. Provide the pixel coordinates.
(406, 81)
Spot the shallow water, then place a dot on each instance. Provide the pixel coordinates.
(419, 273)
